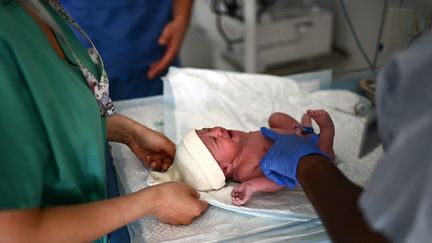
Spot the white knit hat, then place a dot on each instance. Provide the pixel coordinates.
(193, 164)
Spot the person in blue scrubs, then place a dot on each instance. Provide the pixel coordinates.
(138, 40)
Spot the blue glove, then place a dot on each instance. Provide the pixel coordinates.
(281, 160)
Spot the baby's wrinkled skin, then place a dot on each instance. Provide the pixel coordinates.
(239, 153)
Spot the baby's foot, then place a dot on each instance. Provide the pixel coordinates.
(327, 130)
(322, 118)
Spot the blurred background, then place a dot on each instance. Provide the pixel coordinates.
(282, 37)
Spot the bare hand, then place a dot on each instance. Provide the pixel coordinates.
(241, 193)
(172, 38)
(154, 149)
(177, 203)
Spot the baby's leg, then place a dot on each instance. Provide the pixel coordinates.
(327, 130)
(282, 121)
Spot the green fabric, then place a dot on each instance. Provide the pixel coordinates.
(52, 136)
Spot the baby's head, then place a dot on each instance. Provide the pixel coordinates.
(204, 158)
(196, 165)
(224, 145)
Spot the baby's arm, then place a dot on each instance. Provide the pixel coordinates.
(242, 193)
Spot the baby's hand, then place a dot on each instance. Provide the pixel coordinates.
(241, 193)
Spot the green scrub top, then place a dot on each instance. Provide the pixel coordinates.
(52, 138)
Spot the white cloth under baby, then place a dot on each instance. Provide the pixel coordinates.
(283, 204)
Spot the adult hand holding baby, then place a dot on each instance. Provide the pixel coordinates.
(154, 149)
(281, 160)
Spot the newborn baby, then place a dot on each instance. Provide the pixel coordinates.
(206, 158)
(239, 153)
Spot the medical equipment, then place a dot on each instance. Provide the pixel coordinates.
(403, 27)
(398, 28)
(370, 138)
(258, 34)
(230, 99)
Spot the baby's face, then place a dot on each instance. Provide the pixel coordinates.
(223, 144)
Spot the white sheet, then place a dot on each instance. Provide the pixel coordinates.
(204, 98)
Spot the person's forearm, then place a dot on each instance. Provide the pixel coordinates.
(335, 198)
(182, 10)
(77, 223)
(121, 128)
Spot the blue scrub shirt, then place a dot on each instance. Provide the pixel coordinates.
(126, 35)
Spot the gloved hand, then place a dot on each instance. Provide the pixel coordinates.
(281, 160)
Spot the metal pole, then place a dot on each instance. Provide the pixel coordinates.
(250, 61)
